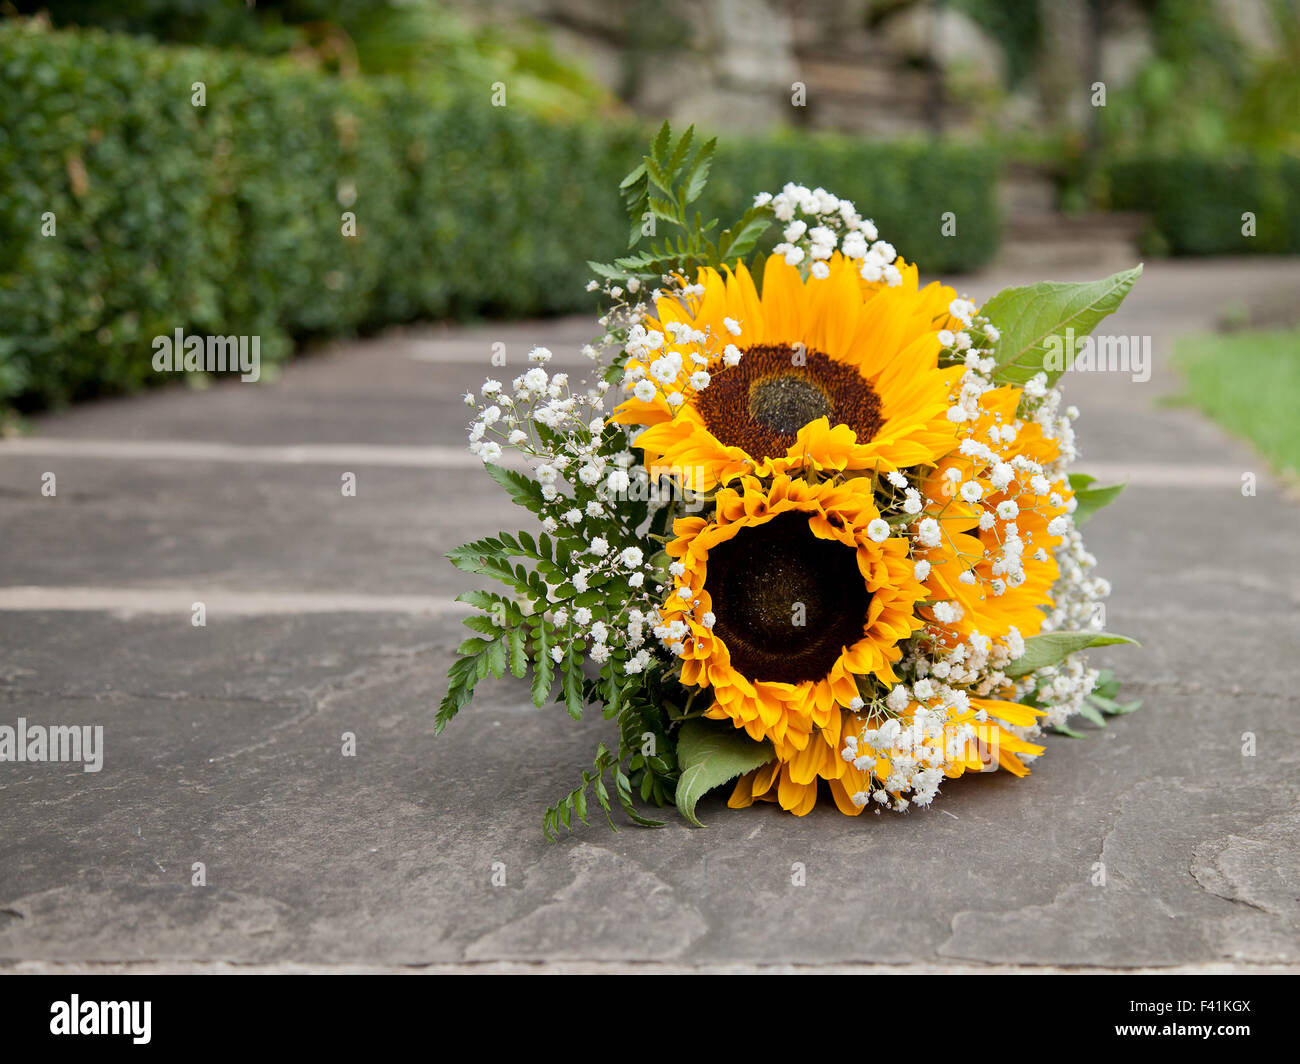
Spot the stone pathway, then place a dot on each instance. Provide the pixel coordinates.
(329, 614)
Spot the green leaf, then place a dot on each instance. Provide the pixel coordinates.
(663, 140)
(633, 177)
(1107, 684)
(518, 658)
(1032, 321)
(496, 657)
(1091, 499)
(711, 755)
(572, 682)
(543, 666)
(1051, 647)
(739, 240)
(624, 790)
(525, 491)
(464, 673)
(1112, 708)
(698, 175)
(606, 270)
(473, 646)
(483, 625)
(483, 600)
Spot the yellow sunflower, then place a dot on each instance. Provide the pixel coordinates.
(832, 373)
(963, 743)
(783, 599)
(990, 603)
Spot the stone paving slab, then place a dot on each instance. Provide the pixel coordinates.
(153, 522)
(223, 743)
(227, 751)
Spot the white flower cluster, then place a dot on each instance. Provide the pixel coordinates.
(1078, 601)
(816, 224)
(917, 752)
(938, 690)
(585, 472)
(941, 674)
(512, 414)
(673, 365)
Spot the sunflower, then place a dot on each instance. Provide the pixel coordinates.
(783, 600)
(981, 738)
(833, 373)
(974, 531)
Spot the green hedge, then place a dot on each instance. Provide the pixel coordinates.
(1196, 202)
(226, 219)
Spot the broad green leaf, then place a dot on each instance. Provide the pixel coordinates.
(1091, 499)
(1051, 647)
(711, 755)
(1032, 321)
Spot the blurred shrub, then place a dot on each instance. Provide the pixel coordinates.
(227, 218)
(1196, 202)
(1205, 90)
(424, 41)
(905, 187)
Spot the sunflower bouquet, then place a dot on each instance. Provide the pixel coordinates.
(809, 525)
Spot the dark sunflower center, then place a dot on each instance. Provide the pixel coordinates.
(786, 602)
(761, 404)
(787, 403)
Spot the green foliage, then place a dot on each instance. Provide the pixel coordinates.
(710, 755)
(426, 42)
(1210, 121)
(1248, 383)
(1031, 318)
(226, 219)
(1206, 91)
(632, 770)
(1053, 647)
(904, 186)
(1196, 201)
(662, 188)
(1102, 703)
(1016, 25)
(513, 633)
(1091, 499)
